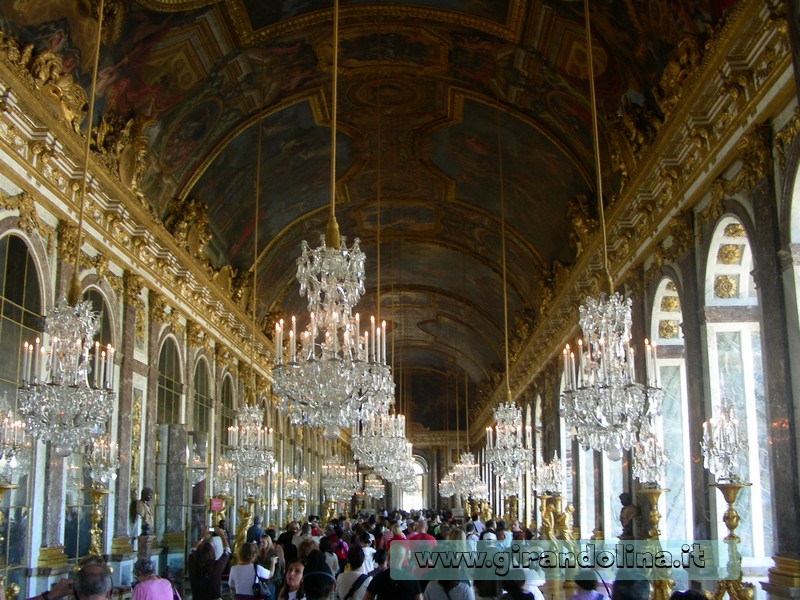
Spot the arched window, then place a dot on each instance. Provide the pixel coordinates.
(673, 427)
(226, 410)
(415, 500)
(170, 385)
(20, 320)
(736, 375)
(202, 398)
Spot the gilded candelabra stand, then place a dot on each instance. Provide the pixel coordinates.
(330, 510)
(511, 508)
(546, 522)
(289, 507)
(735, 588)
(663, 584)
(95, 516)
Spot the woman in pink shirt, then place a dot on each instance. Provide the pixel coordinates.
(150, 586)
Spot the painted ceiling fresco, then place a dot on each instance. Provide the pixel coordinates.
(432, 93)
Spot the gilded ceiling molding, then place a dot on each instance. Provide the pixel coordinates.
(187, 221)
(129, 232)
(175, 5)
(584, 223)
(786, 136)
(510, 31)
(121, 145)
(29, 220)
(43, 73)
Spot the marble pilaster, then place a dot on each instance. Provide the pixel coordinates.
(693, 327)
(779, 399)
(125, 398)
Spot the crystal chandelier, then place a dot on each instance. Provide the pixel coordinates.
(509, 487)
(296, 488)
(224, 476)
(66, 392)
(339, 481)
(380, 441)
(447, 485)
(333, 375)
(102, 461)
(15, 444)
(465, 476)
(601, 398)
(549, 477)
(401, 472)
(649, 456)
(723, 443)
(373, 487)
(250, 443)
(506, 448)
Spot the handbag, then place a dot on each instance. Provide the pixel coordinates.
(261, 587)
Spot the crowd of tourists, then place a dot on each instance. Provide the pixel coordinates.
(352, 559)
(345, 559)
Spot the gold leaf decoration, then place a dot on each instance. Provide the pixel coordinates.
(668, 329)
(670, 304)
(726, 286)
(730, 254)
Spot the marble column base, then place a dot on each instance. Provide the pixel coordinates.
(779, 591)
(784, 578)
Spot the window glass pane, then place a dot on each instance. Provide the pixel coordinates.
(731, 373)
(672, 419)
(202, 401)
(763, 442)
(15, 270)
(169, 386)
(226, 416)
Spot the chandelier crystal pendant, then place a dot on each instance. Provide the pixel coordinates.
(467, 481)
(224, 476)
(380, 441)
(66, 391)
(339, 481)
(373, 487)
(251, 443)
(649, 457)
(549, 477)
(102, 461)
(15, 444)
(723, 444)
(507, 448)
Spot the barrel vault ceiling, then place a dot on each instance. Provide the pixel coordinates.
(436, 98)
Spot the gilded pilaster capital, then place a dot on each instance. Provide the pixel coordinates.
(158, 307)
(133, 285)
(67, 241)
